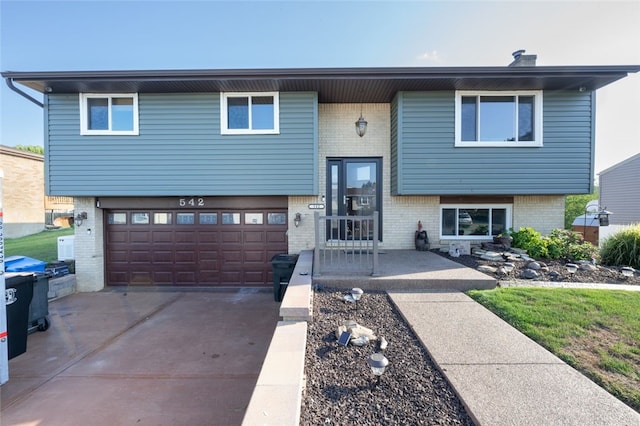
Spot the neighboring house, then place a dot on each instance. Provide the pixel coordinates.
(25, 206)
(196, 177)
(619, 194)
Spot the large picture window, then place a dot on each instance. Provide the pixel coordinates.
(249, 113)
(474, 221)
(499, 118)
(108, 114)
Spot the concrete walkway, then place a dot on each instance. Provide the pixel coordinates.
(502, 376)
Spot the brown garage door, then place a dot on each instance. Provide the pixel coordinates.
(207, 247)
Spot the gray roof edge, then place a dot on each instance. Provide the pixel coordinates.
(621, 163)
(328, 73)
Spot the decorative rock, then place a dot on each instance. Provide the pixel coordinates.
(487, 269)
(529, 274)
(349, 298)
(360, 341)
(501, 271)
(554, 275)
(492, 256)
(357, 331)
(534, 265)
(587, 267)
(383, 343)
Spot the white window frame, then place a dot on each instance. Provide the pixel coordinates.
(84, 119)
(537, 128)
(508, 212)
(224, 114)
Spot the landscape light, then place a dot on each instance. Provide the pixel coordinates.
(627, 271)
(378, 364)
(356, 293)
(572, 268)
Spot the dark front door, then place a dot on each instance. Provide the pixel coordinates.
(354, 188)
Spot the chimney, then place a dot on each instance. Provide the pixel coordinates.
(522, 60)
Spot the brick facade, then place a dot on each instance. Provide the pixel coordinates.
(337, 138)
(22, 192)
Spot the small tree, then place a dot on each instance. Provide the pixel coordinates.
(31, 148)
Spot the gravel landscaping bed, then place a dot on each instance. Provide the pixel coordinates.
(552, 270)
(341, 389)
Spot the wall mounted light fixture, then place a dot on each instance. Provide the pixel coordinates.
(361, 126)
(297, 219)
(80, 217)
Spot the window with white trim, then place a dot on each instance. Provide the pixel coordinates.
(108, 114)
(474, 221)
(499, 119)
(249, 113)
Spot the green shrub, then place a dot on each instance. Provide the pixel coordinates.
(622, 248)
(559, 244)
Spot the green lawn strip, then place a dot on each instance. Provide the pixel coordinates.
(595, 331)
(42, 246)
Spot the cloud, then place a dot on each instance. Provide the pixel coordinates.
(429, 57)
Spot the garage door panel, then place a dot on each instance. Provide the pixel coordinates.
(163, 257)
(117, 237)
(254, 237)
(163, 278)
(185, 237)
(162, 237)
(208, 237)
(276, 237)
(141, 278)
(185, 278)
(221, 252)
(255, 256)
(119, 256)
(140, 256)
(231, 237)
(139, 237)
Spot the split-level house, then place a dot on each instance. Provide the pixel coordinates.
(198, 177)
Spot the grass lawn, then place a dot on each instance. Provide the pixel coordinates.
(42, 246)
(595, 331)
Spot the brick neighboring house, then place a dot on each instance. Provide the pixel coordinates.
(25, 206)
(197, 177)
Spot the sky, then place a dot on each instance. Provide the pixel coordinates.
(88, 35)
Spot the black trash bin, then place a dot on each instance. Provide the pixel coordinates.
(18, 295)
(39, 308)
(282, 266)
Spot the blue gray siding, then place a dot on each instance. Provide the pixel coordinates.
(180, 151)
(428, 163)
(620, 193)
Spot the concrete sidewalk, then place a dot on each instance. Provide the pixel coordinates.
(502, 376)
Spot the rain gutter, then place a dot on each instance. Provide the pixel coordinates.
(9, 82)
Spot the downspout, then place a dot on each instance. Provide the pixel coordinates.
(9, 82)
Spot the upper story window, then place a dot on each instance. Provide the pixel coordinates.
(108, 114)
(249, 113)
(499, 118)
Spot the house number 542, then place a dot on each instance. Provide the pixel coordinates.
(191, 202)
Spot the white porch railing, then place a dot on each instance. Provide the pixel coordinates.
(346, 244)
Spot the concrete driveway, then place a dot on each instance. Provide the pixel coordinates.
(153, 357)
